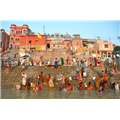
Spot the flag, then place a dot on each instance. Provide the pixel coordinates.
(39, 35)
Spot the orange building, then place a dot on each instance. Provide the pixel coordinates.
(4, 40)
(76, 42)
(16, 32)
(32, 42)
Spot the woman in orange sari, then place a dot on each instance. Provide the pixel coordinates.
(101, 64)
(47, 79)
(90, 86)
(97, 81)
(81, 86)
(41, 77)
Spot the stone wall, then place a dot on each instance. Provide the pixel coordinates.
(118, 62)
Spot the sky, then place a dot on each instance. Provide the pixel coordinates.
(87, 29)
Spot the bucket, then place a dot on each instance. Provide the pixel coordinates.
(31, 84)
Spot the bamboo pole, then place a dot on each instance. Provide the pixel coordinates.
(5, 53)
(110, 44)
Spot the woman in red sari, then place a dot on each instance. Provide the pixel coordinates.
(67, 61)
(95, 62)
(10, 65)
(68, 87)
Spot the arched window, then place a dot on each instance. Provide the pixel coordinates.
(12, 38)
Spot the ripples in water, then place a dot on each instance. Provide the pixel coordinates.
(54, 94)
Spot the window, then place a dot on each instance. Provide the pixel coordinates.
(24, 31)
(29, 42)
(12, 38)
(36, 41)
(106, 46)
(77, 43)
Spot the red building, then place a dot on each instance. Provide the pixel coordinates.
(16, 32)
(32, 42)
(4, 40)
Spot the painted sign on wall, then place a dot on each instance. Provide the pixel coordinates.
(81, 50)
(39, 47)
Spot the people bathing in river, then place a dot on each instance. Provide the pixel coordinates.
(40, 86)
(103, 82)
(69, 88)
(81, 85)
(100, 90)
(35, 89)
(37, 79)
(89, 86)
(17, 87)
(60, 86)
(27, 86)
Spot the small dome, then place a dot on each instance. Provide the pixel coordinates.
(13, 24)
(25, 25)
(67, 35)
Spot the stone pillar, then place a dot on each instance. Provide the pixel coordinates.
(100, 53)
(118, 62)
(107, 54)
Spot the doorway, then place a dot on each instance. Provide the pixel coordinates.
(48, 45)
(67, 44)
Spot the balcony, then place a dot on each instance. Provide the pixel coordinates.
(18, 34)
(12, 33)
(11, 40)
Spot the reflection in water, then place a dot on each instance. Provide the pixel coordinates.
(54, 94)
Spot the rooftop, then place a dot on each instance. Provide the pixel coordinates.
(2, 30)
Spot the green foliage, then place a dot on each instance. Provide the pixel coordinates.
(84, 44)
(116, 52)
(117, 48)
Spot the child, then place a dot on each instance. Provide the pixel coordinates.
(100, 90)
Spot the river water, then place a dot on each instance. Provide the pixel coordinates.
(54, 94)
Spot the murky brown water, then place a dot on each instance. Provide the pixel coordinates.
(54, 94)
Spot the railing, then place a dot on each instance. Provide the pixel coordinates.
(18, 33)
(12, 33)
(11, 40)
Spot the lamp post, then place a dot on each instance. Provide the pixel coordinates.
(119, 38)
(26, 40)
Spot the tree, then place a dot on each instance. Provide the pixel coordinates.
(85, 45)
(117, 48)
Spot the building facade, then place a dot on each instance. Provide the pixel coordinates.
(32, 42)
(16, 32)
(4, 40)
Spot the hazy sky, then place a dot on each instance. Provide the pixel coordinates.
(86, 29)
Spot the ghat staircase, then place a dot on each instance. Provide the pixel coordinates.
(9, 78)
